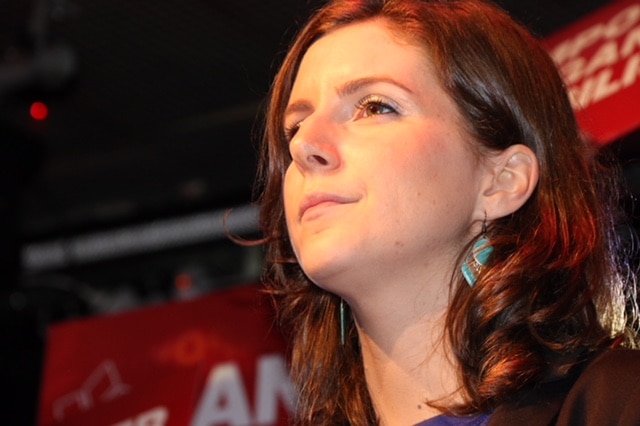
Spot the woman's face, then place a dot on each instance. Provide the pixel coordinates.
(383, 184)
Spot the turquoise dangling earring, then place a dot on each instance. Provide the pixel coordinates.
(478, 257)
(342, 322)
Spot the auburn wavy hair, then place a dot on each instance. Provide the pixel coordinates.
(555, 289)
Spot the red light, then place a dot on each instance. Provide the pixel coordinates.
(183, 282)
(39, 111)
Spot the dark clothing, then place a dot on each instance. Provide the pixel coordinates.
(602, 392)
(605, 391)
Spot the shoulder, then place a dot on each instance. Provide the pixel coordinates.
(607, 391)
(618, 364)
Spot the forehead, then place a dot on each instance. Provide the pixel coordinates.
(355, 50)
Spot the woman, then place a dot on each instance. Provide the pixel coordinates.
(440, 245)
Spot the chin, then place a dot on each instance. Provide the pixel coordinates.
(328, 262)
(336, 279)
(321, 273)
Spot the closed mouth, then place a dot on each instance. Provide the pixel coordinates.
(322, 199)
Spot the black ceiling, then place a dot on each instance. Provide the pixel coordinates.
(152, 103)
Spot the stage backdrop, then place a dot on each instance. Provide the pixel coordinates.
(208, 362)
(599, 57)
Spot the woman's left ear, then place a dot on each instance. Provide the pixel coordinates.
(514, 176)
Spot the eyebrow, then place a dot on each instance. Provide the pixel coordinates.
(353, 86)
(346, 89)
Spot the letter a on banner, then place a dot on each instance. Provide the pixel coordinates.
(273, 385)
(224, 401)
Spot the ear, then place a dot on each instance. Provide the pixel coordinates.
(514, 176)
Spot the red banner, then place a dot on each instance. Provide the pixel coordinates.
(208, 362)
(599, 58)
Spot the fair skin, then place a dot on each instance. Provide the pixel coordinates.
(382, 193)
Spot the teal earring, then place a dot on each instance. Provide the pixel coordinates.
(478, 258)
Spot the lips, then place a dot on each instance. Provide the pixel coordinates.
(314, 200)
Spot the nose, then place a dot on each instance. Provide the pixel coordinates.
(314, 146)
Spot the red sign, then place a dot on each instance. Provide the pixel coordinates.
(209, 362)
(599, 58)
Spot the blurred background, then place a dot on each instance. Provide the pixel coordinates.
(128, 129)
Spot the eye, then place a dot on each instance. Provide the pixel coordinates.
(374, 105)
(291, 130)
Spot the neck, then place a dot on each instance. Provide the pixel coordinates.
(406, 358)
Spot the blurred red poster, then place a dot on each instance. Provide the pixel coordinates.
(212, 361)
(599, 58)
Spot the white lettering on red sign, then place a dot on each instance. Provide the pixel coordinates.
(620, 24)
(601, 60)
(104, 384)
(225, 400)
(155, 417)
(604, 83)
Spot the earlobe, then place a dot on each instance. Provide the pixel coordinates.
(514, 178)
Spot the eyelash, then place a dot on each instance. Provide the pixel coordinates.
(375, 101)
(362, 105)
(290, 131)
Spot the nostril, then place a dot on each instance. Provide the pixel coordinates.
(320, 160)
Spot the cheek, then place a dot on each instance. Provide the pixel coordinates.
(433, 176)
(290, 194)
(423, 167)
